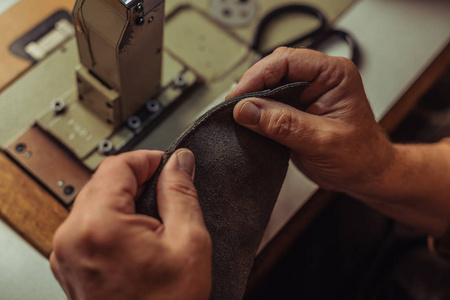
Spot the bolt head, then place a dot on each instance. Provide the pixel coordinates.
(140, 20)
(105, 147)
(58, 106)
(69, 190)
(134, 122)
(139, 8)
(153, 106)
(20, 148)
(180, 81)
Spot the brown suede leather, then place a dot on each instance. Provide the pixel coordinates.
(238, 177)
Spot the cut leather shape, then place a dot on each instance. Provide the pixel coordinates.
(238, 177)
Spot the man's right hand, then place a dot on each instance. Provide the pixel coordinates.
(338, 144)
(336, 141)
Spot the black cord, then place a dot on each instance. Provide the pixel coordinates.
(292, 8)
(317, 36)
(351, 42)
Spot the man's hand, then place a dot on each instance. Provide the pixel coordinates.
(338, 144)
(106, 251)
(336, 140)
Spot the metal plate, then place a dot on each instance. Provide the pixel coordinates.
(202, 44)
(49, 163)
(77, 128)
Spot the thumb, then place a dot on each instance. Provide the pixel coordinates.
(177, 197)
(278, 121)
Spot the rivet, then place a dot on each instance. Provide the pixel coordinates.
(153, 106)
(20, 147)
(134, 122)
(140, 20)
(68, 190)
(180, 82)
(58, 106)
(106, 147)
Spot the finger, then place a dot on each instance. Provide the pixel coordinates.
(56, 269)
(293, 128)
(117, 180)
(323, 72)
(177, 197)
(54, 266)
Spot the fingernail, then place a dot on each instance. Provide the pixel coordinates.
(186, 161)
(250, 114)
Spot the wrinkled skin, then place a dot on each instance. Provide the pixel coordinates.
(335, 141)
(106, 251)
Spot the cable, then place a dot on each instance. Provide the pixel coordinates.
(297, 8)
(317, 36)
(351, 42)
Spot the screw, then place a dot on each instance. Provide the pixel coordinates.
(106, 147)
(140, 20)
(153, 105)
(20, 147)
(139, 8)
(134, 122)
(180, 82)
(151, 19)
(68, 190)
(60, 183)
(27, 154)
(58, 106)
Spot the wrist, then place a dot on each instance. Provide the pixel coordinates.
(378, 165)
(414, 189)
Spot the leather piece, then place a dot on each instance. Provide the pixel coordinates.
(238, 177)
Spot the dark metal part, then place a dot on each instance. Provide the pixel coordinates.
(106, 147)
(129, 3)
(68, 190)
(139, 8)
(134, 122)
(20, 147)
(140, 20)
(153, 106)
